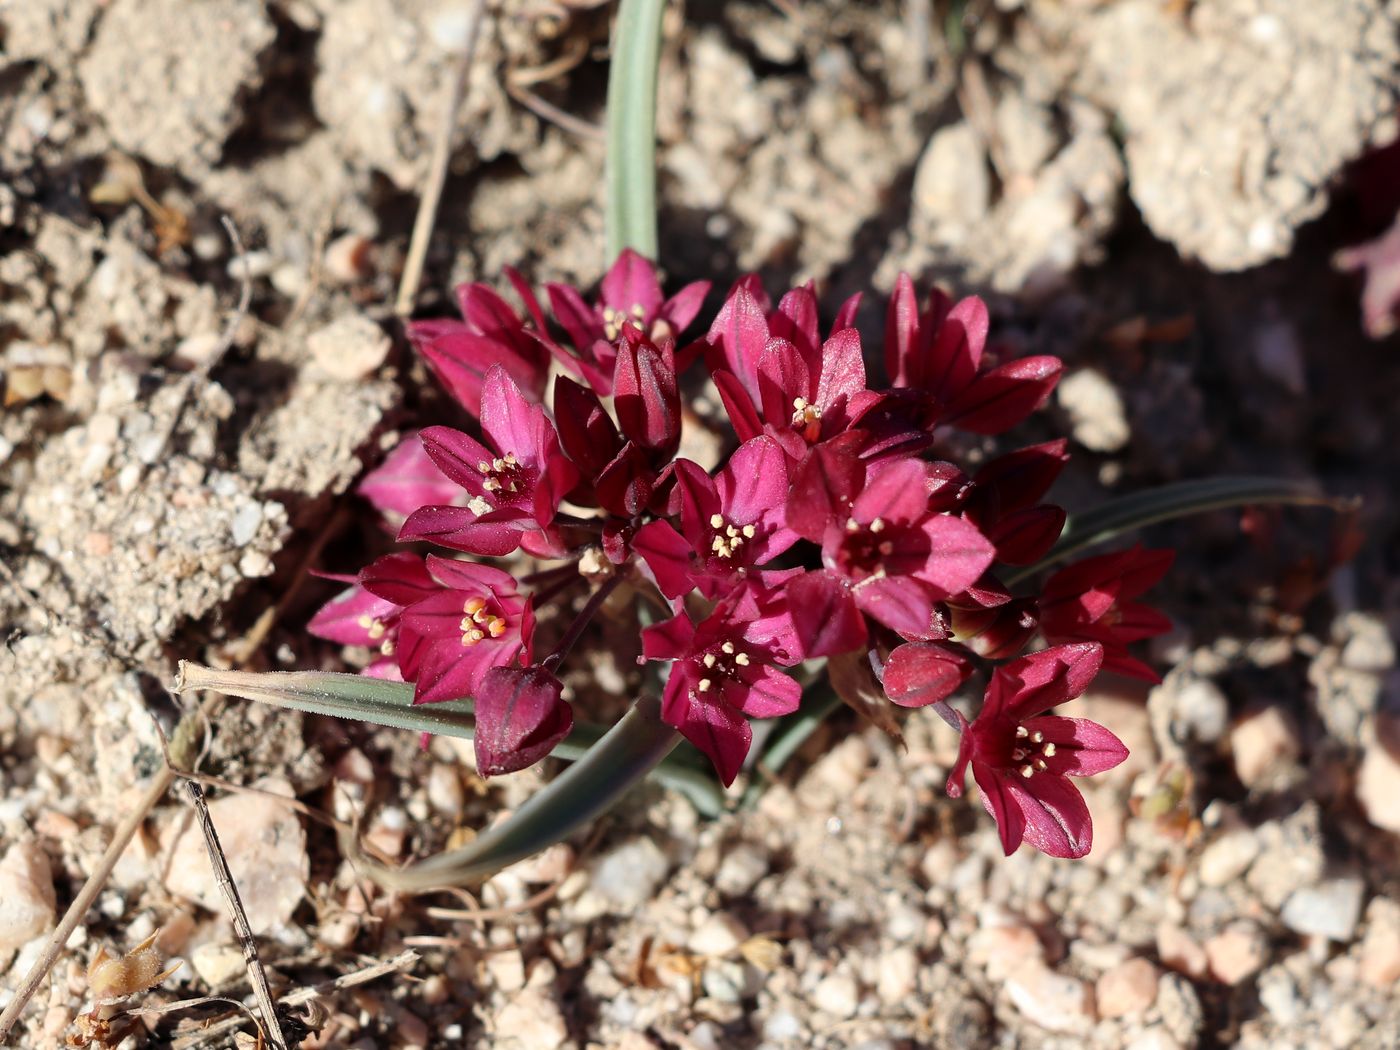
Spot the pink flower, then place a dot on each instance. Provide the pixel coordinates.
(441, 624)
(894, 556)
(514, 487)
(630, 296)
(460, 353)
(1091, 601)
(1022, 759)
(723, 670)
(732, 524)
(939, 353)
(470, 620)
(646, 395)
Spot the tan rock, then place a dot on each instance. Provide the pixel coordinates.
(531, 1021)
(1003, 948)
(1379, 953)
(1378, 781)
(1127, 990)
(1180, 951)
(350, 347)
(1237, 953)
(26, 896)
(265, 846)
(1054, 1001)
(1262, 744)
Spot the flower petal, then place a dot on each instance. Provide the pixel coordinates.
(718, 730)
(406, 480)
(1082, 747)
(769, 694)
(458, 528)
(824, 615)
(1056, 815)
(921, 673)
(667, 555)
(1002, 804)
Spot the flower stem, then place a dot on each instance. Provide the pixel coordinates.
(630, 214)
(581, 622)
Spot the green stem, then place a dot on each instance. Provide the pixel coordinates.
(631, 165)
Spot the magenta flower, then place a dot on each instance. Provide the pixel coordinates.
(895, 556)
(1022, 759)
(723, 670)
(514, 487)
(629, 296)
(521, 715)
(732, 524)
(646, 394)
(459, 620)
(1091, 601)
(441, 624)
(461, 353)
(939, 353)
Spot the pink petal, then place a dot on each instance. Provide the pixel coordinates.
(520, 716)
(527, 297)
(1082, 747)
(407, 480)
(901, 603)
(895, 491)
(458, 528)
(769, 695)
(668, 640)
(782, 378)
(457, 456)
(842, 373)
(824, 486)
(470, 575)
(921, 673)
(718, 730)
(699, 501)
(1056, 816)
(339, 619)
(681, 308)
(585, 429)
(824, 615)
(632, 281)
(1036, 683)
(740, 329)
(1023, 537)
(901, 331)
(738, 404)
(1002, 804)
(646, 395)
(447, 671)
(576, 317)
(956, 354)
(401, 578)
(667, 555)
(958, 555)
(460, 360)
(997, 400)
(796, 321)
(846, 313)
(509, 421)
(753, 485)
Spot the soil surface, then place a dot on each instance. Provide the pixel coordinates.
(1154, 190)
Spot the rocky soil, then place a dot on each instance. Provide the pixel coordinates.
(1152, 190)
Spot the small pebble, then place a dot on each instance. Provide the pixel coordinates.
(350, 347)
(1380, 949)
(1330, 909)
(1228, 857)
(837, 995)
(1055, 1002)
(1127, 990)
(1095, 410)
(26, 896)
(629, 876)
(217, 964)
(1263, 744)
(718, 936)
(1237, 952)
(1378, 783)
(898, 975)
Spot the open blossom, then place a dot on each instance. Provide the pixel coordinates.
(1022, 758)
(441, 623)
(732, 524)
(513, 487)
(1092, 601)
(724, 669)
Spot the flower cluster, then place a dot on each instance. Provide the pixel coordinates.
(835, 525)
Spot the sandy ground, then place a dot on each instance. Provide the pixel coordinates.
(1152, 190)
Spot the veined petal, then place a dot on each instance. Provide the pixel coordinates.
(520, 715)
(1082, 747)
(342, 619)
(768, 694)
(740, 329)
(824, 615)
(457, 456)
(1002, 804)
(470, 575)
(901, 603)
(401, 578)
(630, 282)
(668, 640)
(667, 555)
(1026, 687)
(1056, 815)
(753, 485)
(997, 400)
(718, 730)
(493, 536)
(921, 673)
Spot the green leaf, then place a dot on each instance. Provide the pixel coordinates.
(608, 763)
(1167, 502)
(631, 160)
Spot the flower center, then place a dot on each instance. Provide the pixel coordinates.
(806, 419)
(376, 629)
(1031, 751)
(866, 546)
(505, 479)
(613, 320)
(727, 538)
(719, 664)
(483, 620)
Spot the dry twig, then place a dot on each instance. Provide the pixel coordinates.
(437, 169)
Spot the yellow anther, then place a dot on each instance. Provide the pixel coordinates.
(1048, 750)
(709, 660)
(852, 525)
(704, 685)
(376, 630)
(716, 521)
(1038, 737)
(743, 660)
(387, 648)
(474, 606)
(1022, 732)
(1027, 771)
(727, 648)
(365, 621)
(731, 532)
(484, 467)
(748, 531)
(496, 627)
